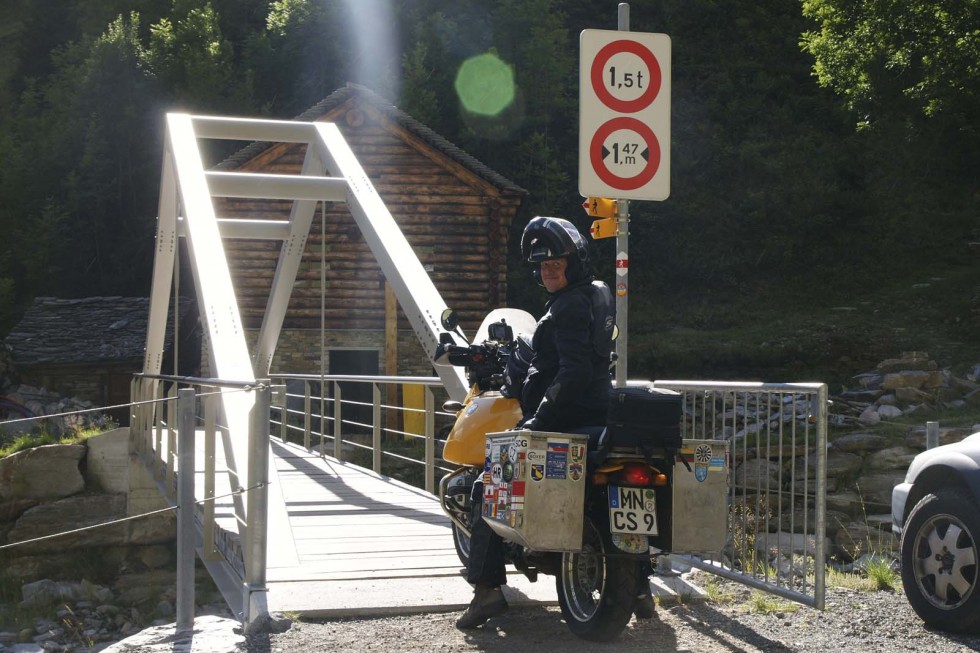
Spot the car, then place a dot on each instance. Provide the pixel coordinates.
(936, 514)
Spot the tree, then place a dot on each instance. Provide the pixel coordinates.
(900, 56)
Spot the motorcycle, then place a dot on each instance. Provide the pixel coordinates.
(625, 514)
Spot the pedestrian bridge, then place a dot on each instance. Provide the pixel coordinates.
(311, 514)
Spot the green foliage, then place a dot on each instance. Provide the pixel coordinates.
(917, 54)
(780, 212)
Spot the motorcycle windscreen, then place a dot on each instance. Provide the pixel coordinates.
(521, 322)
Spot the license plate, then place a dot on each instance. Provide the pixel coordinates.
(632, 510)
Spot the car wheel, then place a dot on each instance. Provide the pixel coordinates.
(940, 560)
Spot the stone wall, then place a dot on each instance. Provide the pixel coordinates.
(57, 488)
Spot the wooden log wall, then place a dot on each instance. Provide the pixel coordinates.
(456, 221)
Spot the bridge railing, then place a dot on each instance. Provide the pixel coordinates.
(393, 425)
(777, 435)
(169, 412)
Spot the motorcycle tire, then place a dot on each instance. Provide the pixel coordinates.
(462, 543)
(596, 591)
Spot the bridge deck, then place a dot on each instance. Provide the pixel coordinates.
(343, 540)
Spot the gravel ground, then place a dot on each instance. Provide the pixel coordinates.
(853, 621)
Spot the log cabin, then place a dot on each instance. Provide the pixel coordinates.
(454, 211)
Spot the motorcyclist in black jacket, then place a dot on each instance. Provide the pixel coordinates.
(567, 380)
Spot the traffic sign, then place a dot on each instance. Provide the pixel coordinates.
(605, 228)
(624, 114)
(601, 207)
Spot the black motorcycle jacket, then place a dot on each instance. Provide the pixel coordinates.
(568, 381)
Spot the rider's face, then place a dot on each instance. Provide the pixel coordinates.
(553, 274)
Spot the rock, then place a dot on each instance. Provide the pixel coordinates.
(876, 488)
(71, 514)
(209, 634)
(869, 416)
(891, 458)
(107, 462)
(889, 412)
(48, 472)
(770, 543)
(916, 437)
(860, 443)
(757, 472)
(904, 379)
(859, 538)
(909, 361)
(155, 556)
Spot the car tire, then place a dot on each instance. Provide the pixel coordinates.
(941, 560)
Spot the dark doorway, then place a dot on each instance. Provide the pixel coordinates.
(355, 362)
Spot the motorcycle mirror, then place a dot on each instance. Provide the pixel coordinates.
(449, 320)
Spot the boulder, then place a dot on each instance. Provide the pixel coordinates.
(861, 537)
(48, 472)
(107, 464)
(70, 514)
(905, 379)
(860, 443)
(891, 458)
(757, 473)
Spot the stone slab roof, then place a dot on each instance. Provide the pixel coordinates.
(88, 330)
(394, 114)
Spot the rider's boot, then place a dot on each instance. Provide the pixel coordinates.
(643, 606)
(487, 602)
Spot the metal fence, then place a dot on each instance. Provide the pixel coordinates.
(777, 488)
(777, 435)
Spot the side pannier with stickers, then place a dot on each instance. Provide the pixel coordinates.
(647, 417)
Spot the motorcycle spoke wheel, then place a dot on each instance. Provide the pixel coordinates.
(596, 591)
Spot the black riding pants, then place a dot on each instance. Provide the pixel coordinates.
(486, 565)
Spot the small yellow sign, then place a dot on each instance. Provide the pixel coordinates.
(606, 228)
(601, 207)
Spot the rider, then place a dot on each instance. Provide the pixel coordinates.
(567, 383)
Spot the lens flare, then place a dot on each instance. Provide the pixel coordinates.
(485, 84)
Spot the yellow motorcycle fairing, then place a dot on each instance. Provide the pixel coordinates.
(490, 412)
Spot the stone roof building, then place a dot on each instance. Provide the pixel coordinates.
(90, 348)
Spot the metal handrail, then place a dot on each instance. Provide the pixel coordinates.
(164, 424)
(386, 442)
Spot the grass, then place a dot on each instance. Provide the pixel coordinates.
(31, 440)
(764, 603)
(807, 331)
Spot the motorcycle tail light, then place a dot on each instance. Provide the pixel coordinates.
(636, 474)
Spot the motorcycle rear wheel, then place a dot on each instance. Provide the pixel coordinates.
(596, 591)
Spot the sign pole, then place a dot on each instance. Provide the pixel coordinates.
(622, 254)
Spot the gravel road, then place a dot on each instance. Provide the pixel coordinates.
(879, 622)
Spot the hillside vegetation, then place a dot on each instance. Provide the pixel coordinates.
(824, 198)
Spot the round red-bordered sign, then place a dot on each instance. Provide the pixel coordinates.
(599, 84)
(599, 164)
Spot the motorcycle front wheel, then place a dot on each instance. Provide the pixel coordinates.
(462, 542)
(595, 590)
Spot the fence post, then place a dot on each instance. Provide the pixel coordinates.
(376, 427)
(186, 411)
(430, 441)
(932, 435)
(338, 434)
(257, 512)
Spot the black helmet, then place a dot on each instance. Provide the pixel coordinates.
(548, 238)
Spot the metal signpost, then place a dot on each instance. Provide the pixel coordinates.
(624, 139)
